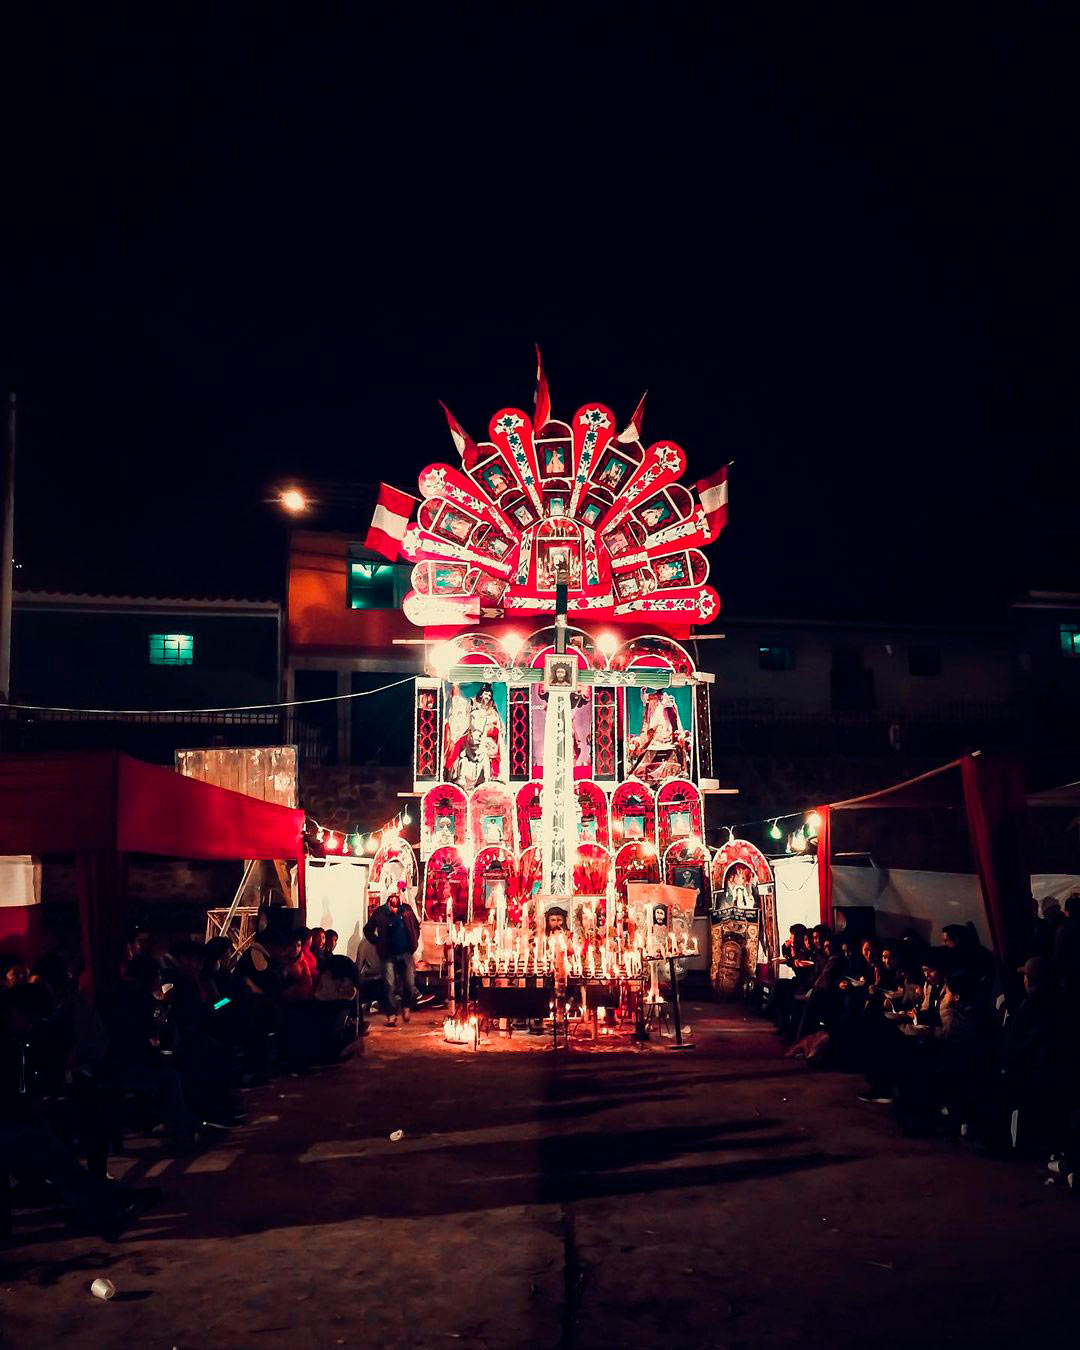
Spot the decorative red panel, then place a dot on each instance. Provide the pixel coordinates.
(520, 765)
(605, 755)
(427, 734)
(528, 812)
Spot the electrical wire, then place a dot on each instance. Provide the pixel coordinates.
(242, 707)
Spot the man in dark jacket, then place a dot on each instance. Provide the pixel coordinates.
(394, 931)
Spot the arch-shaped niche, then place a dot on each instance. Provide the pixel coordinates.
(679, 812)
(653, 649)
(592, 802)
(446, 881)
(394, 862)
(444, 812)
(494, 870)
(491, 816)
(633, 814)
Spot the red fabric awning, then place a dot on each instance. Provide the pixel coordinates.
(109, 802)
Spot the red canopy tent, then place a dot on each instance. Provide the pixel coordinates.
(102, 806)
(991, 793)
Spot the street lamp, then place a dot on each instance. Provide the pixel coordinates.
(293, 500)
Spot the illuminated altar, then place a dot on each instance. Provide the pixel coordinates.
(562, 743)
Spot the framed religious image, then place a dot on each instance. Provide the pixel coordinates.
(444, 830)
(633, 827)
(494, 479)
(494, 888)
(556, 506)
(688, 875)
(493, 829)
(523, 516)
(612, 472)
(591, 513)
(617, 541)
(555, 917)
(671, 572)
(560, 672)
(656, 513)
(555, 460)
(449, 578)
(454, 525)
(587, 830)
(626, 587)
(679, 823)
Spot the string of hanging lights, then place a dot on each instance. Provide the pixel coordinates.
(357, 842)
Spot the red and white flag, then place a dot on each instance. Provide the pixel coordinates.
(713, 494)
(390, 521)
(543, 397)
(632, 431)
(466, 446)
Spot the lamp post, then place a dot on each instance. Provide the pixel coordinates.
(293, 502)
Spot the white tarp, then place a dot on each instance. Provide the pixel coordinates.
(901, 898)
(337, 898)
(20, 881)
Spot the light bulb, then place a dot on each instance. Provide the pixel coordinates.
(813, 821)
(775, 832)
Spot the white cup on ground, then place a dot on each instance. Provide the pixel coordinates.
(102, 1288)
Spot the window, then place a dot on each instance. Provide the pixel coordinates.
(776, 658)
(1070, 639)
(924, 660)
(171, 649)
(374, 586)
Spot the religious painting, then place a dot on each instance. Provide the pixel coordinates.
(523, 516)
(580, 723)
(557, 506)
(659, 726)
(449, 577)
(691, 876)
(555, 460)
(493, 829)
(587, 829)
(617, 541)
(612, 471)
(633, 828)
(671, 572)
(679, 823)
(560, 672)
(590, 513)
(494, 479)
(454, 525)
(474, 733)
(655, 513)
(557, 555)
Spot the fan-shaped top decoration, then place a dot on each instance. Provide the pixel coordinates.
(532, 504)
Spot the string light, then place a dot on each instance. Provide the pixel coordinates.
(775, 832)
(813, 821)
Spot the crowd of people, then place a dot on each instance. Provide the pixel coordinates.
(946, 1038)
(164, 1049)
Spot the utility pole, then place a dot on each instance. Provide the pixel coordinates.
(7, 543)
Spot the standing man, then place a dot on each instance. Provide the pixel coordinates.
(394, 931)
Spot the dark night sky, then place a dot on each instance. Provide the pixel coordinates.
(838, 246)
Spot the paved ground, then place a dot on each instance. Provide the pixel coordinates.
(721, 1197)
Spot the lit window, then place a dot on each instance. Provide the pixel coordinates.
(776, 658)
(1070, 639)
(171, 649)
(373, 586)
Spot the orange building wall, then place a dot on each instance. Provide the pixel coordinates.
(320, 621)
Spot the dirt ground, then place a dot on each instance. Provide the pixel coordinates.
(723, 1196)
